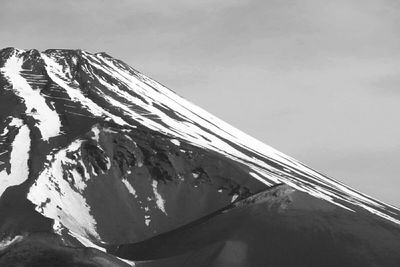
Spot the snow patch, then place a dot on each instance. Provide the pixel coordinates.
(234, 197)
(128, 186)
(49, 122)
(18, 159)
(181, 177)
(159, 200)
(140, 163)
(175, 142)
(147, 220)
(86, 242)
(96, 132)
(5, 243)
(57, 227)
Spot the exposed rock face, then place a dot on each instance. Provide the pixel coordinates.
(100, 155)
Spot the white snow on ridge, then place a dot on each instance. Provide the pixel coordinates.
(85, 241)
(62, 200)
(131, 263)
(18, 159)
(49, 122)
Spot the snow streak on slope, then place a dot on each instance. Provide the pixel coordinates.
(19, 157)
(159, 200)
(49, 123)
(61, 199)
(129, 187)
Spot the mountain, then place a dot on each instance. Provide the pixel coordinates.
(103, 166)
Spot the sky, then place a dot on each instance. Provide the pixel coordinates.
(316, 79)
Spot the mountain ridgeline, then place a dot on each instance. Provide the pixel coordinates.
(103, 166)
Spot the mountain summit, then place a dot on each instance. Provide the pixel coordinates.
(103, 166)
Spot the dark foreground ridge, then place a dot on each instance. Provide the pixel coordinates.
(103, 166)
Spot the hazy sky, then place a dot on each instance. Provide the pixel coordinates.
(316, 79)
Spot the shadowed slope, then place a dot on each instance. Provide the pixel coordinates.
(278, 227)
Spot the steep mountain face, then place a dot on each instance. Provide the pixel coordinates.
(95, 154)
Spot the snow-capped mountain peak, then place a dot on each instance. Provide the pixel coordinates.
(84, 137)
